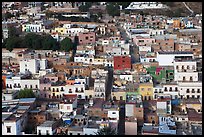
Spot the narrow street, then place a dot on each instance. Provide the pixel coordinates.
(134, 51)
(109, 84)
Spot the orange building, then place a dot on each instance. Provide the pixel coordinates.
(176, 24)
(3, 81)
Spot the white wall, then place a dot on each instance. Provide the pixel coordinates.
(161, 105)
(126, 77)
(168, 59)
(15, 128)
(90, 131)
(113, 114)
(179, 76)
(129, 110)
(145, 48)
(44, 130)
(183, 86)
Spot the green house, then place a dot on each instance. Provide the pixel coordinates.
(161, 73)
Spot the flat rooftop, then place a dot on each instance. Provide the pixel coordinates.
(47, 124)
(176, 52)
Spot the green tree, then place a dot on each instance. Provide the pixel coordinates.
(48, 42)
(124, 4)
(7, 16)
(85, 8)
(49, 14)
(113, 9)
(66, 44)
(13, 42)
(107, 131)
(12, 31)
(25, 93)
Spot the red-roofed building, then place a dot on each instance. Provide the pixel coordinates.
(122, 62)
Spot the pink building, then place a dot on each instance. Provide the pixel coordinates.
(141, 41)
(45, 88)
(87, 38)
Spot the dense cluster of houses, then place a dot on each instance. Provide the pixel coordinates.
(148, 83)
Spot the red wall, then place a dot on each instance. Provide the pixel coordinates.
(122, 62)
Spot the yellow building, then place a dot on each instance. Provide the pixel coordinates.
(146, 90)
(119, 95)
(100, 60)
(61, 31)
(57, 91)
(89, 93)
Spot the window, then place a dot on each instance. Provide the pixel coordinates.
(187, 91)
(193, 91)
(47, 132)
(165, 89)
(191, 78)
(36, 86)
(188, 67)
(8, 129)
(86, 38)
(187, 96)
(79, 96)
(113, 112)
(170, 89)
(198, 96)
(198, 91)
(184, 78)
(39, 132)
(78, 133)
(26, 86)
(193, 96)
(176, 89)
(70, 133)
(31, 86)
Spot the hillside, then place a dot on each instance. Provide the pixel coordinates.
(179, 7)
(176, 9)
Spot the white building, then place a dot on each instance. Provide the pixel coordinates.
(156, 32)
(163, 104)
(32, 65)
(69, 104)
(113, 115)
(47, 128)
(18, 82)
(157, 90)
(190, 89)
(11, 127)
(172, 90)
(185, 70)
(99, 88)
(91, 128)
(145, 5)
(145, 48)
(75, 31)
(167, 58)
(32, 28)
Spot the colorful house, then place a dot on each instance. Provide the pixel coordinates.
(146, 90)
(161, 74)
